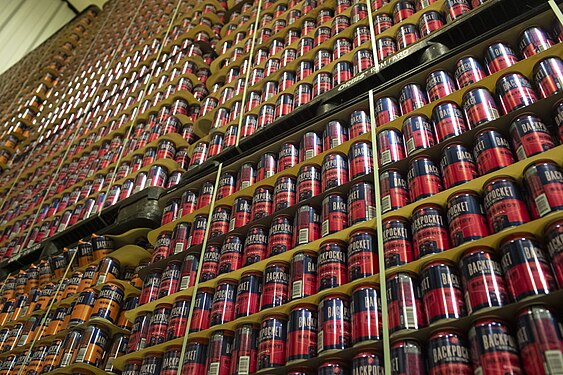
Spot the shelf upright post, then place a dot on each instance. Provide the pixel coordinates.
(556, 10)
(372, 36)
(247, 76)
(81, 122)
(198, 273)
(379, 231)
(140, 102)
(378, 213)
(46, 314)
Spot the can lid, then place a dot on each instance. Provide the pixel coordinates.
(309, 306)
(335, 295)
(251, 273)
(436, 262)
(182, 298)
(395, 217)
(477, 249)
(393, 273)
(362, 230)
(516, 236)
(274, 316)
(365, 285)
(337, 242)
(498, 178)
(278, 263)
(252, 325)
(163, 305)
(427, 205)
(462, 192)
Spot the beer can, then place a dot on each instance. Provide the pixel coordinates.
(534, 40)
(241, 211)
(456, 9)
(548, 76)
(390, 147)
(529, 136)
(170, 280)
(468, 71)
(499, 56)
(393, 190)
(526, 268)
(429, 22)
(171, 360)
(219, 355)
(407, 35)
(382, 22)
(497, 355)
(482, 280)
(492, 151)
(93, 346)
(424, 178)
(457, 165)
(232, 252)
(195, 356)
(178, 320)
(276, 285)
(397, 241)
(262, 203)
(540, 352)
(179, 238)
(504, 204)
(448, 351)
(466, 218)
(359, 123)
(442, 295)
(402, 10)
(202, 310)
(404, 302)
(303, 274)
(544, 183)
(245, 349)
(430, 235)
(418, 133)
(109, 301)
(272, 341)
(223, 306)
(365, 314)
(361, 36)
(267, 166)
(553, 236)
(439, 84)
(361, 203)
(280, 237)
(308, 182)
(152, 363)
(411, 98)
(515, 91)
(302, 333)
(248, 295)
(334, 323)
(385, 47)
(151, 286)
(331, 265)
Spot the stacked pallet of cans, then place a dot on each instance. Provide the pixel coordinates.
(66, 312)
(415, 231)
(25, 93)
(128, 126)
(302, 50)
(277, 252)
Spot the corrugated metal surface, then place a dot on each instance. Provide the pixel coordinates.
(24, 24)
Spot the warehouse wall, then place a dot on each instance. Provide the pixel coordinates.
(24, 24)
